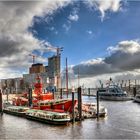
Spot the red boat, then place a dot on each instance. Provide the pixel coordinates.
(60, 104)
(44, 101)
(37, 95)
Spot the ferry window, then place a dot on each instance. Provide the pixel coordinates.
(112, 90)
(102, 90)
(118, 90)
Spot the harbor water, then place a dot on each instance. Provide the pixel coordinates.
(122, 122)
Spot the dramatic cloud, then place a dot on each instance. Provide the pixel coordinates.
(16, 42)
(123, 57)
(105, 5)
(93, 67)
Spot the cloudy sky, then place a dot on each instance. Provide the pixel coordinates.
(101, 38)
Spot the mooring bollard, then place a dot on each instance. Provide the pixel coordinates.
(80, 103)
(1, 106)
(61, 94)
(134, 91)
(88, 91)
(30, 97)
(97, 104)
(7, 95)
(73, 113)
(129, 85)
(53, 91)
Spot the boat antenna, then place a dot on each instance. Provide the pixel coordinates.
(78, 77)
(67, 77)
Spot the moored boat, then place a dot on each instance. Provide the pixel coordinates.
(37, 94)
(42, 101)
(89, 110)
(16, 110)
(113, 93)
(49, 117)
(61, 104)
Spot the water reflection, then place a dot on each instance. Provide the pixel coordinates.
(122, 122)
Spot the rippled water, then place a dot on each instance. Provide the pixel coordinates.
(123, 121)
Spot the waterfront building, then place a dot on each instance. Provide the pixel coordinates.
(49, 74)
(12, 85)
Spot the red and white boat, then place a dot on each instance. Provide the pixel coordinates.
(43, 101)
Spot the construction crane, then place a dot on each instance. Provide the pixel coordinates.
(33, 57)
(53, 49)
(58, 50)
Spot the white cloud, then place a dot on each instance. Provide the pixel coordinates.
(105, 5)
(126, 46)
(16, 42)
(74, 17)
(93, 61)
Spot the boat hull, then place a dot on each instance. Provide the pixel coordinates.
(20, 114)
(115, 98)
(65, 105)
(54, 122)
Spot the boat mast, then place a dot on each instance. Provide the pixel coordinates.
(66, 77)
(78, 77)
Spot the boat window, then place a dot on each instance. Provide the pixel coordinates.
(102, 90)
(112, 90)
(46, 103)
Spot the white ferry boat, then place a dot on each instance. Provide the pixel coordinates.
(113, 93)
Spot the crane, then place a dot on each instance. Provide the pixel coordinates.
(53, 49)
(33, 57)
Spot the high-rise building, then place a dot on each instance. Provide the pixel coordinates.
(54, 70)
